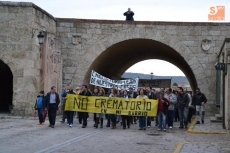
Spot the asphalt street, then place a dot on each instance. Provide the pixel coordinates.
(25, 136)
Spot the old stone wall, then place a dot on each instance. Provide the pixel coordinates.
(72, 45)
(78, 36)
(19, 48)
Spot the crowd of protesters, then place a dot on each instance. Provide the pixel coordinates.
(173, 106)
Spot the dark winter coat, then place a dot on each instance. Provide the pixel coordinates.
(182, 100)
(47, 100)
(85, 93)
(198, 99)
(129, 15)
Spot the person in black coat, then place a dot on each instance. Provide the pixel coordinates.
(199, 100)
(133, 94)
(151, 95)
(129, 15)
(52, 101)
(182, 104)
(125, 118)
(84, 115)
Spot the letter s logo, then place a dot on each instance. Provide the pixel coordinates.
(213, 10)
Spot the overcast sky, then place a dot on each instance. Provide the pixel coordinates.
(145, 10)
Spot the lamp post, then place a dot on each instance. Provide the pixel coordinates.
(40, 38)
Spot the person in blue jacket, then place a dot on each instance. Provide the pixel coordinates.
(39, 106)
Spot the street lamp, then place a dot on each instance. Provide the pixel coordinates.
(40, 38)
(40, 41)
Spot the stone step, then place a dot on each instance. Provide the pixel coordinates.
(218, 116)
(214, 119)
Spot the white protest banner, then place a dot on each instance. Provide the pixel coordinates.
(101, 81)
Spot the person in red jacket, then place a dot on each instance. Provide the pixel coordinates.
(163, 104)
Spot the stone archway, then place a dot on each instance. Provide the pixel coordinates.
(114, 54)
(6, 87)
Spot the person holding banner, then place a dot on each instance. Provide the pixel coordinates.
(77, 91)
(142, 119)
(70, 114)
(100, 116)
(133, 94)
(95, 93)
(151, 95)
(112, 116)
(84, 115)
(63, 95)
(125, 118)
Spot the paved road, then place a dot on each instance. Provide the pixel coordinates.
(25, 136)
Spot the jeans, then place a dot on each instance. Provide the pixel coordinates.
(40, 115)
(170, 117)
(142, 121)
(183, 114)
(70, 117)
(161, 120)
(200, 110)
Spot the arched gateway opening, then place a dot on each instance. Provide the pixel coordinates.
(6, 87)
(116, 59)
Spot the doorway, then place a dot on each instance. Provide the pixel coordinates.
(6, 87)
